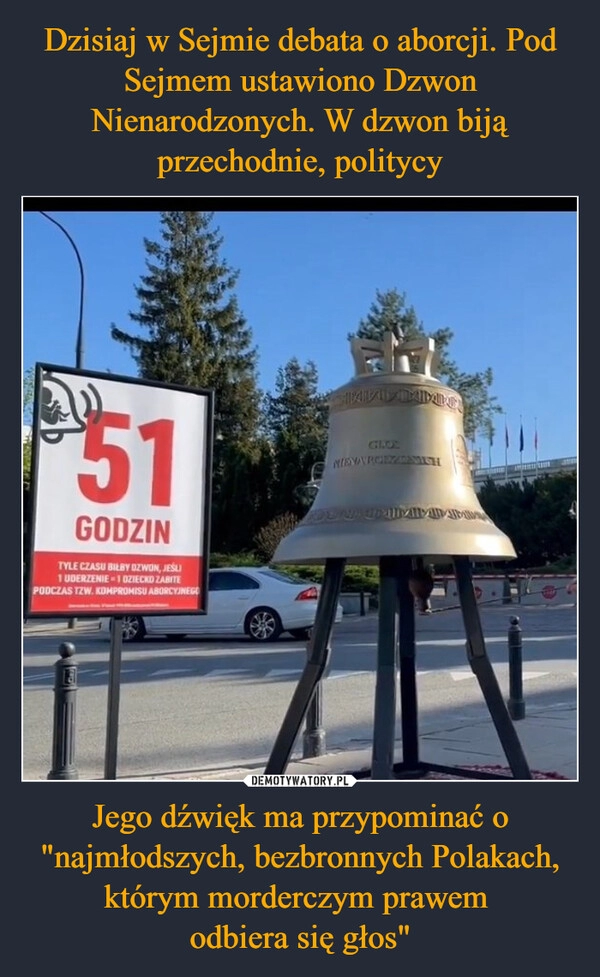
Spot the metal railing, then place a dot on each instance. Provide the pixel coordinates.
(515, 472)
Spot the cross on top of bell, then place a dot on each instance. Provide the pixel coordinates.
(394, 354)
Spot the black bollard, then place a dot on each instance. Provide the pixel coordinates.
(362, 603)
(63, 739)
(313, 737)
(317, 657)
(516, 703)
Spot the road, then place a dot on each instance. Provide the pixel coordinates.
(194, 705)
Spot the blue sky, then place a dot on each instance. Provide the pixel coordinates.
(505, 283)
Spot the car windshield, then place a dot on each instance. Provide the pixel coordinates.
(283, 577)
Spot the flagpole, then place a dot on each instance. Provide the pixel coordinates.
(505, 448)
(521, 448)
(535, 444)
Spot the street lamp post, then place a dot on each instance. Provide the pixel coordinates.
(79, 341)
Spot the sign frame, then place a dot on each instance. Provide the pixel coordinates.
(201, 553)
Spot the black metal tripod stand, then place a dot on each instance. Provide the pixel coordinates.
(396, 653)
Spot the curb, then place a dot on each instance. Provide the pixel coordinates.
(41, 626)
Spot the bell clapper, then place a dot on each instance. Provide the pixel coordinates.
(420, 584)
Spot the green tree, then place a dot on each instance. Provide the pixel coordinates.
(296, 425)
(390, 311)
(269, 537)
(535, 517)
(194, 334)
(28, 391)
(244, 503)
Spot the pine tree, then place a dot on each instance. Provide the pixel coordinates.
(296, 424)
(390, 311)
(194, 334)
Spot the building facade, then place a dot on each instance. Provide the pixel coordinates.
(502, 474)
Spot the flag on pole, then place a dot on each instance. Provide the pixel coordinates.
(535, 439)
(506, 444)
(521, 441)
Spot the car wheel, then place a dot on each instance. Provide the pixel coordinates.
(133, 628)
(263, 624)
(302, 634)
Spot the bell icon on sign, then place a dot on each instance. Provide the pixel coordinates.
(58, 409)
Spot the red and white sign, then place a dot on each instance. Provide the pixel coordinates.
(549, 592)
(121, 499)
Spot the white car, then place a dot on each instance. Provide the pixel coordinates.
(256, 601)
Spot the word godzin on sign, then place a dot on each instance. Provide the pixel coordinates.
(117, 529)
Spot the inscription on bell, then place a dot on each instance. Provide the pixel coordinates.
(386, 394)
(391, 513)
(352, 461)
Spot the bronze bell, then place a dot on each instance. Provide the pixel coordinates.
(397, 478)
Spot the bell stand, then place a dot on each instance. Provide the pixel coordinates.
(396, 656)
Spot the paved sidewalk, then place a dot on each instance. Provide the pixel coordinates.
(548, 736)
